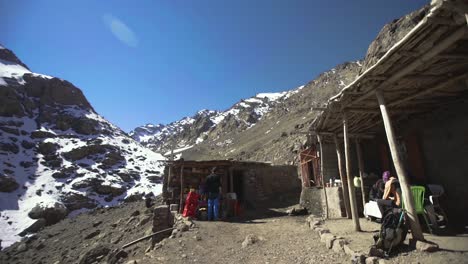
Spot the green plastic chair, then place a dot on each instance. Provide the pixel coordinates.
(418, 196)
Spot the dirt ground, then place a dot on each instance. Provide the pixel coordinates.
(281, 239)
(453, 249)
(96, 237)
(278, 239)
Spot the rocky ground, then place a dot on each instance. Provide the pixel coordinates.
(279, 239)
(265, 236)
(97, 237)
(103, 230)
(453, 249)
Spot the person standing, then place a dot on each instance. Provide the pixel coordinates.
(213, 186)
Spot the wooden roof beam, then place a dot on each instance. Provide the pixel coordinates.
(430, 90)
(453, 56)
(434, 51)
(364, 136)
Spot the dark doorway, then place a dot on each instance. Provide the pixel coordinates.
(238, 183)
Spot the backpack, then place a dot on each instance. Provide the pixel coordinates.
(392, 232)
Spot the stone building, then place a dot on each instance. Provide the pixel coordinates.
(257, 185)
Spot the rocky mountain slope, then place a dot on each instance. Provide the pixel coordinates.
(277, 134)
(58, 156)
(208, 125)
(267, 127)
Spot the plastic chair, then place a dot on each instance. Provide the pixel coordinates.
(418, 196)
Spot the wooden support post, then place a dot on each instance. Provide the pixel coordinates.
(169, 175)
(361, 170)
(402, 177)
(344, 183)
(231, 179)
(181, 189)
(352, 193)
(321, 175)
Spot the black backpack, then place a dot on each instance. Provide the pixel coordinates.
(392, 232)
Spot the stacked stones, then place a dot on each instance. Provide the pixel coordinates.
(162, 219)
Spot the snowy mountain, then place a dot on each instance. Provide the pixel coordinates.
(58, 156)
(206, 124)
(269, 127)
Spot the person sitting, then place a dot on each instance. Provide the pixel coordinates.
(377, 190)
(391, 197)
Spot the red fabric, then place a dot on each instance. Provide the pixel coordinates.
(191, 204)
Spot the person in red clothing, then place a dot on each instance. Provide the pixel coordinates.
(191, 204)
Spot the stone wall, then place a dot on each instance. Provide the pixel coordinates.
(313, 200)
(335, 201)
(162, 219)
(270, 185)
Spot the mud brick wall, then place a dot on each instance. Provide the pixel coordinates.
(330, 162)
(264, 184)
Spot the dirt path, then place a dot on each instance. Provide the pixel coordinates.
(280, 240)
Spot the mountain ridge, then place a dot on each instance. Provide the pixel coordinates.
(59, 157)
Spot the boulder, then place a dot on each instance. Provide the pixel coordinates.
(95, 254)
(75, 201)
(42, 134)
(134, 197)
(47, 148)
(109, 190)
(115, 256)
(92, 234)
(249, 240)
(36, 226)
(322, 231)
(338, 245)
(27, 144)
(328, 239)
(155, 179)
(426, 246)
(51, 214)
(85, 126)
(26, 164)
(372, 260)
(9, 147)
(13, 131)
(85, 151)
(86, 183)
(7, 184)
(376, 252)
(358, 258)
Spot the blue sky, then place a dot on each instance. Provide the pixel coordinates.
(142, 62)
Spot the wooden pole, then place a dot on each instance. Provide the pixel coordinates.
(361, 170)
(231, 179)
(170, 175)
(321, 175)
(344, 183)
(402, 177)
(181, 189)
(352, 194)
